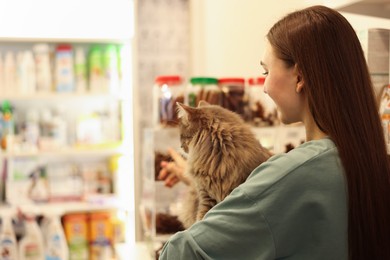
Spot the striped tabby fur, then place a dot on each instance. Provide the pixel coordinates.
(222, 152)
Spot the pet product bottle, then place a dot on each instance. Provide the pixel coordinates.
(9, 73)
(8, 246)
(96, 70)
(111, 70)
(43, 67)
(80, 70)
(64, 68)
(31, 246)
(56, 247)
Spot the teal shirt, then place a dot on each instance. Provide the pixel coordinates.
(293, 206)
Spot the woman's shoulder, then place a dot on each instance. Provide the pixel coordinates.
(306, 152)
(313, 161)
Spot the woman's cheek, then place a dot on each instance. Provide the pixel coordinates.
(273, 96)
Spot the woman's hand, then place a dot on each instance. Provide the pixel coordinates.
(173, 172)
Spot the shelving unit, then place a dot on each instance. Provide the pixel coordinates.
(89, 205)
(81, 24)
(120, 201)
(58, 96)
(156, 198)
(63, 152)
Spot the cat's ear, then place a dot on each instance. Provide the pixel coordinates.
(184, 111)
(203, 103)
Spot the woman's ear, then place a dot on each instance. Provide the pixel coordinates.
(300, 81)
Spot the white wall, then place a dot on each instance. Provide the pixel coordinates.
(228, 35)
(71, 19)
(233, 34)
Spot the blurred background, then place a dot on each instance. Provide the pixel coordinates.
(88, 92)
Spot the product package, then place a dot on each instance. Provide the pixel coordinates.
(65, 181)
(26, 181)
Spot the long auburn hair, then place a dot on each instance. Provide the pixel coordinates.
(324, 46)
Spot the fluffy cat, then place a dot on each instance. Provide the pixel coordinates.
(222, 152)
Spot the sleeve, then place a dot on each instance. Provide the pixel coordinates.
(233, 229)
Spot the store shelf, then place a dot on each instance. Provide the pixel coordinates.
(376, 8)
(92, 203)
(275, 138)
(55, 96)
(79, 151)
(66, 40)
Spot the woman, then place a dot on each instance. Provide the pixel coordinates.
(330, 197)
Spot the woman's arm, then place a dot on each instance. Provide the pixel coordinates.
(233, 229)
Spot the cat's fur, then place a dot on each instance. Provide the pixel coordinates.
(222, 152)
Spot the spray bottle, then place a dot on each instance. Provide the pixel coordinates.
(56, 247)
(8, 246)
(31, 246)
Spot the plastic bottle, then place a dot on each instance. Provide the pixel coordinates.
(31, 246)
(96, 70)
(8, 125)
(111, 70)
(118, 221)
(30, 75)
(8, 244)
(59, 128)
(25, 73)
(46, 130)
(64, 68)
(43, 67)
(56, 247)
(110, 122)
(80, 70)
(9, 73)
(2, 88)
(19, 74)
(32, 131)
(39, 190)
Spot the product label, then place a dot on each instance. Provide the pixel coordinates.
(31, 252)
(53, 248)
(78, 249)
(64, 71)
(7, 250)
(52, 258)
